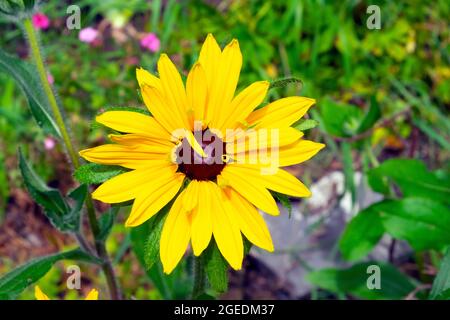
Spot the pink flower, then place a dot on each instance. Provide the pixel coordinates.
(151, 42)
(88, 35)
(49, 143)
(40, 21)
(50, 78)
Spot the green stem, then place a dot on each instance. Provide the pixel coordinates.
(199, 278)
(93, 223)
(37, 56)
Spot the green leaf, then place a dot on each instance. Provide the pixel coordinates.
(151, 250)
(284, 200)
(361, 234)
(413, 179)
(371, 116)
(106, 223)
(281, 83)
(306, 124)
(50, 199)
(424, 223)
(125, 108)
(93, 173)
(441, 284)
(70, 221)
(14, 282)
(341, 120)
(25, 76)
(354, 280)
(216, 268)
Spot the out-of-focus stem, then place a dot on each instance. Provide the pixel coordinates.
(93, 223)
(37, 56)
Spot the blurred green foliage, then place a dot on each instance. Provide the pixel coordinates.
(377, 91)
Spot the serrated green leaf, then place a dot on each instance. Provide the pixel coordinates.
(413, 179)
(281, 83)
(361, 234)
(216, 267)
(25, 76)
(353, 281)
(151, 250)
(14, 282)
(306, 124)
(125, 108)
(93, 173)
(50, 199)
(441, 284)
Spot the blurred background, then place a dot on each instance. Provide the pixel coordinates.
(381, 94)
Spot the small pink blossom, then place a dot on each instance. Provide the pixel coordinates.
(49, 143)
(151, 42)
(88, 35)
(50, 78)
(40, 21)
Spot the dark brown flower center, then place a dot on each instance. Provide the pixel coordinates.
(199, 167)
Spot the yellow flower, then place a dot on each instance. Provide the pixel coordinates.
(92, 295)
(202, 135)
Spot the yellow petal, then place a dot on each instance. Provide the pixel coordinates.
(280, 181)
(196, 91)
(127, 186)
(153, 199)
(125, 156)
(263, 139)
(256, 194)
(92, 295)
(145, 78)
(173, 89)
(158, 143)
(224, 86)
(202, 217)
(39, 294)
(298, 152)
(250, 221)
(175, 236)
(280, 113)
(209, 58)
(161, 109)
(191, 195)
(243, 104)
(132, 122)
(225, 229)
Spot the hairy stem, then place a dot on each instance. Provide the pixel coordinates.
(93, 223)
(199, 278)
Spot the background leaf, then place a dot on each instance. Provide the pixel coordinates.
(361, 234)
(413, 179)
(441, 284)
(371, 116)
(353, 281)
(26, 77)
(14, 282)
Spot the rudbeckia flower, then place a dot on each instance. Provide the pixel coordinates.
(92, 295)
(197, 151)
